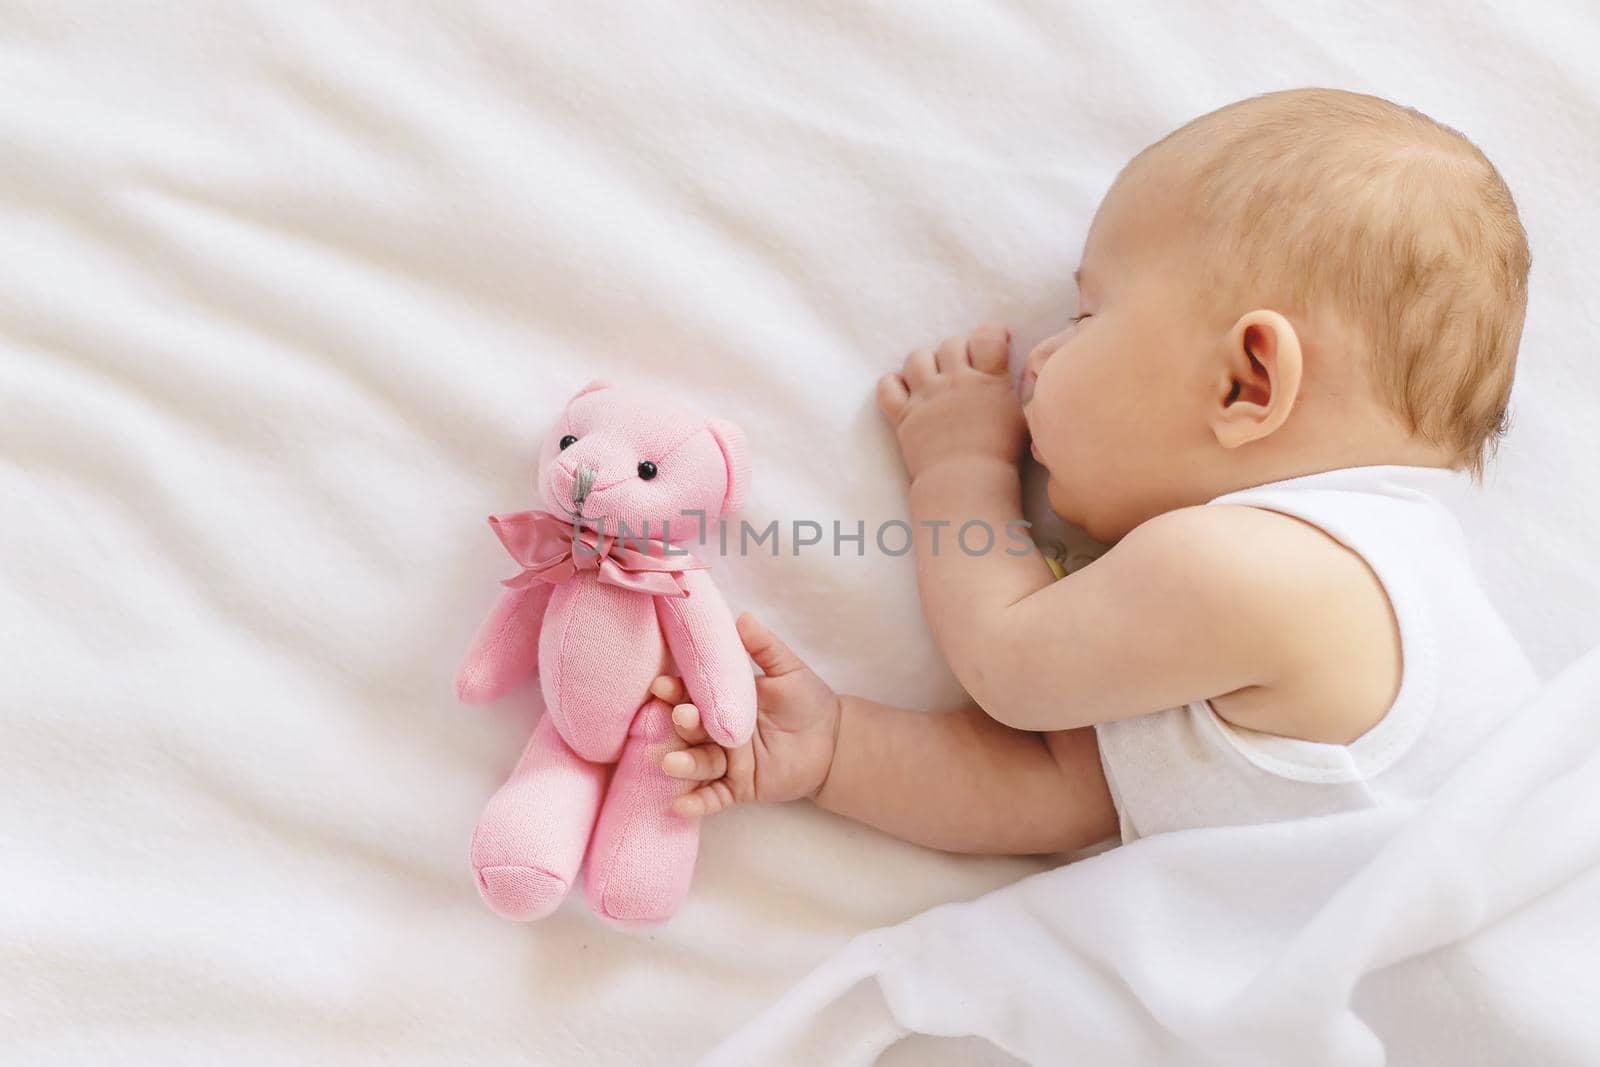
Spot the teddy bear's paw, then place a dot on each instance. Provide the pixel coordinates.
(645, 893)
(624, 914)
(521, 893)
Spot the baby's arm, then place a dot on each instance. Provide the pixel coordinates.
(958, 780)
(962, 782)
(1198, 603)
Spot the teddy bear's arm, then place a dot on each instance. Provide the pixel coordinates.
(506, 649)
(711, 659)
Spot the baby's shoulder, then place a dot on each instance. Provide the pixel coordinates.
(1235, 547)
(1316, 610)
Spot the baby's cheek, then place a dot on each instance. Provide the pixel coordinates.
(1061, 429)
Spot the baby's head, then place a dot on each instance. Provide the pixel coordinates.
(1296, 282)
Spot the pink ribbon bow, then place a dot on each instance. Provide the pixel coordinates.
(551, 549)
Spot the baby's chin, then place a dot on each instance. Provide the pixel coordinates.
(1073, 513)
(1061, 503)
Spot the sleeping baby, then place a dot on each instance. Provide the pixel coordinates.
(1298, 319)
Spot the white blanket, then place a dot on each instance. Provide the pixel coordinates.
(289, 291)
(1466, 934)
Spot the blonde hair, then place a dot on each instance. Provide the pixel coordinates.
(1323, 200)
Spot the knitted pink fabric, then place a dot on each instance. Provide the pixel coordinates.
(589, 791)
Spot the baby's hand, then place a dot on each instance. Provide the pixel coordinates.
(788, 756)
(955, 402)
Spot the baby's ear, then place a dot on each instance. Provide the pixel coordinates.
(736, 459)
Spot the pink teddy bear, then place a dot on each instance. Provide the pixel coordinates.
(603, 596)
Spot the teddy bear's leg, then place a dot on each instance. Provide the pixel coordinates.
(642, 855)
(530, 840)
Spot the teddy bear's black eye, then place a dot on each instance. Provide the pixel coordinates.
(567, 441)
(647, 470)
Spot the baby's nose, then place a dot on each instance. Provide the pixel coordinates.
(1040, 353)
(1030, 373)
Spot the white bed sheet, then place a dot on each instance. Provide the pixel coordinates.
(287, 296)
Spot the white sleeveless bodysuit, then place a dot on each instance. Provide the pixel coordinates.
(1461, 673)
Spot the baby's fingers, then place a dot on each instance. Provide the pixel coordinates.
(669, 688)
(707, 800)
(702, 763)
(686, 720)
(893, 394)
(990, 348)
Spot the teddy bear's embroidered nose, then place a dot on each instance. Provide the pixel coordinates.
(580, 488)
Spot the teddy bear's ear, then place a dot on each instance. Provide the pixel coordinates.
(593, 387)
(736, 459)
